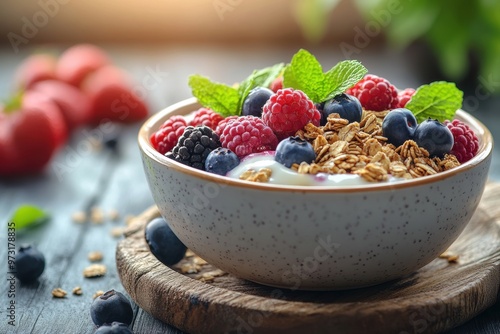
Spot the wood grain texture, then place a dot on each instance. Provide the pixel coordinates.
(438, 297)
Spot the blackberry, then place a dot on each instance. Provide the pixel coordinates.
(194, 145)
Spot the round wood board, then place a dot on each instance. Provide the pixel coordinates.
(196, 297)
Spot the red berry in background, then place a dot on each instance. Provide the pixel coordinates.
(166, 137)
(35, 68)
(404, 96)
(248, 134)
(277, 84)
(207, 117)
(112, 96)
(74, 105)
(78, 61)
(466, 143)
(288, 111)
(31, 130)
(375, 93)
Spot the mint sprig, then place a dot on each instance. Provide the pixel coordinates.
(437, 100)
(228, 100)
(28, 215)
(219, 97)
(306, 74)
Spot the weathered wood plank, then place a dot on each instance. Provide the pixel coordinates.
(438, 297)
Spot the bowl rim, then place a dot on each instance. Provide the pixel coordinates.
(191, 104)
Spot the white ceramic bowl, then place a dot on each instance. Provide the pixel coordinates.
(314, 238)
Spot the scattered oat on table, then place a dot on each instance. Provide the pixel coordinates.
(210, 276)
(94, 270)
(95, 256)
(129, 219)
(117, 231)
(113, 215)
(79, 217)
(59, 293)
(450, 257)
(96, 215)
(77, 291)
(97, 294)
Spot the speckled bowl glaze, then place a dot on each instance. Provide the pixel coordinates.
(314, 238)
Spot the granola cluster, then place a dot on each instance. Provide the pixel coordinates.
(360, 148)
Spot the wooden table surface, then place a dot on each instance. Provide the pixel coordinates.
(80, 179)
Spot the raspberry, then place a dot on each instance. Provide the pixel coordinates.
(207, 117)
(194, 146)
(466, 143)
(248, 134)
(277, 84)
(166, 137)
(288, 111)
(222, 124)
(404, 96)
(375, 93)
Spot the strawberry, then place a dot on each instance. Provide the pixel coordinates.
(35, 68)
(112, 98)
(31, 130)
(78, 61)
(74, 105)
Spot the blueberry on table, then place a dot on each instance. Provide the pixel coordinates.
(221, 161)
(255, 101)
(399, 126)
(347, 106)
(114, 328)
(435, 137)
(294, 150)
(30, 264)
(112, 306)
(163, 243)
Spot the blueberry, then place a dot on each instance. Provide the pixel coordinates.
(163, 243)
(114, 328)
(435, 137)
(30, 264)
(110, 307)
(399, 126)
(345, 105)
(294, 150)
(221, 160)
(255, 100)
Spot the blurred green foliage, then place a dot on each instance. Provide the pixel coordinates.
(453, 29)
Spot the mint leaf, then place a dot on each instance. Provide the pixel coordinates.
(219, 97)
(438, 100)
(344, 75)
(28, 215)
(259, 78)
(306, 74)
(227, 100)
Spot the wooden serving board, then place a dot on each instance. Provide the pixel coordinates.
(198, 298)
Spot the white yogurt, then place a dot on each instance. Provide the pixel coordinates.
(286, 176)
